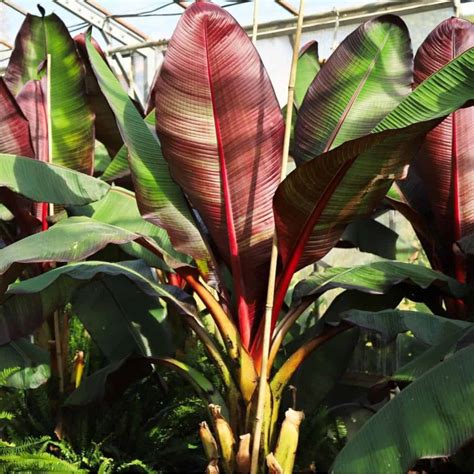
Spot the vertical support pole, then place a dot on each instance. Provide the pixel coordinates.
(262, 387)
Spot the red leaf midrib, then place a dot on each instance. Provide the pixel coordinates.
(243, 312)
(303, 237)
(459, 269)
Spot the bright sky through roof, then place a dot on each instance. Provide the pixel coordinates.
(162, 26)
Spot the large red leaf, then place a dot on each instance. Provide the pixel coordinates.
(320, 198)
(221, 131)
(15, 139)
(32, 101)
(440, 184)
(14, 131)
(362, 81)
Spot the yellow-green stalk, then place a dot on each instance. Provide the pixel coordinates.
(208, 442)
(287, 444)
(225, 437)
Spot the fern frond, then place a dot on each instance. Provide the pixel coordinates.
(6, 373)
(136, 463)
(6, 415)
(41, 462)
(27, 446)
(106, 466)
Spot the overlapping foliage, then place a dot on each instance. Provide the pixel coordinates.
(198, 223)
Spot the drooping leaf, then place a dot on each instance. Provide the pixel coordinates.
(429, 328)
(307, 68)
(203, 386)
(221, 130)
(70, 240)
(118, 167)
(72, 121)
(376, 278)
(361, 82)
(32, 361)
(159, 199)
(119, 208)
(319, 373)
(14, 131)
(432, 417)
(122, 320)
(109, 383)
(135, 271)
(441, 334)
(101, 158)
(317, 200)
(29, 302)
(106, 130)
(371, 236)
(439, 184)
(44, 182)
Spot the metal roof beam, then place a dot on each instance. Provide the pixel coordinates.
(319, 20)
(287, 7)
(349, 15)
(14, 6)
(104, 20)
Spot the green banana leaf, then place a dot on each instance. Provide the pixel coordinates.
(119, 167)
(71, 240)
(119, 208)
(370, 236)
(356, 88)
(31, 301)
(376, 278)
(44, 182)
(432, 417)
(306, 70)
(441, 334)
(72, 121)
(122, 320)
(31, 361)
(160, 199)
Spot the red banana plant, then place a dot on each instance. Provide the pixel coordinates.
(212, 181)
(439, 185)
(221, 130)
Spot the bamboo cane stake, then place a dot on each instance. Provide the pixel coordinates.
(274, 256)
(48, 118)
(57, 329)
(256, 4)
